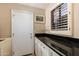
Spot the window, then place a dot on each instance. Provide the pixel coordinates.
(59, 18)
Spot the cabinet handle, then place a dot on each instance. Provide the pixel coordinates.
(44, 47)
(51, 54)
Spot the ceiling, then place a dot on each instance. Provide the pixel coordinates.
(37, 5)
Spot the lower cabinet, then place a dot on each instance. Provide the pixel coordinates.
(5, 47)
(37, 49)
(42, 50)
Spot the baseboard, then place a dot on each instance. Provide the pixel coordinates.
(28, 54)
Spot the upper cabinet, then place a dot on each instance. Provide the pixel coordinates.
(59, 19)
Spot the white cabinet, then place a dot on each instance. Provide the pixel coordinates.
(45, 50)
(37, 49)
(42, 50)
(5, 47)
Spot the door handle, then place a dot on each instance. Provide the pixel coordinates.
(30, 33)
(44, 47)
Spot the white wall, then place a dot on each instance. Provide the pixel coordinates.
(76, 20)
(39, 27)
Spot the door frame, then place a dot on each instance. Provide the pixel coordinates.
(12, 10)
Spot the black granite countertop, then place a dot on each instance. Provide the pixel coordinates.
(69, 43)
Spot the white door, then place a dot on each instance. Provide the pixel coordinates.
(22, 32)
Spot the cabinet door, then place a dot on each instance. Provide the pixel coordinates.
(5, 47)
(5, 50)
(37, 49)
(45, 51)
(40, 48)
